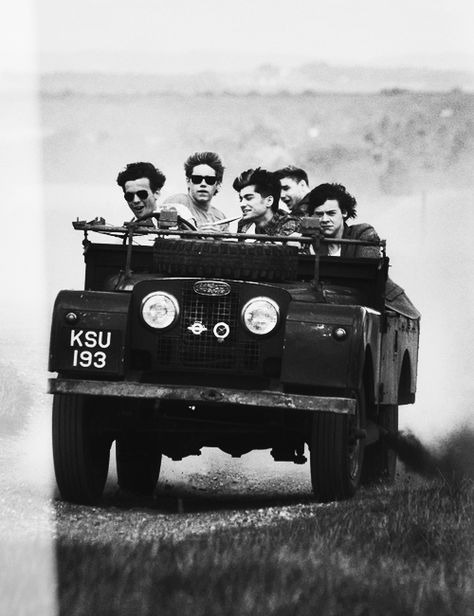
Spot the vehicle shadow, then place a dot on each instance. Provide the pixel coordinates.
(185, 499)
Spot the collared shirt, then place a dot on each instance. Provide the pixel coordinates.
(146, 239)
(149, 238)
(281, 223)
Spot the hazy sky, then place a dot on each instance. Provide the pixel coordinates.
(411, 32)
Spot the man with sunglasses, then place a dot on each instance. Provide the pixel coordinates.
(141, 183)
(204, 172)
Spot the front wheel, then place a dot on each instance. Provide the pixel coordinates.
(80, 450)
(337, 453)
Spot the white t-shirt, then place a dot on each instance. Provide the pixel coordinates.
(334, 250)
(201, 216)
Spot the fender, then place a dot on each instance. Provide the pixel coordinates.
(315, 357)
(89, 333)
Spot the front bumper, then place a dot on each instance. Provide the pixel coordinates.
(197, 394)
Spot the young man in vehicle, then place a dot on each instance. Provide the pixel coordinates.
(259, 195)
(333, 205)
(141, 183)
(204, 173)
(294, 189)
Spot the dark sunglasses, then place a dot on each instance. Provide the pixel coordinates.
(209, 179)
(141, 194)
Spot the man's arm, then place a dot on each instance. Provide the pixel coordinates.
(367, 233)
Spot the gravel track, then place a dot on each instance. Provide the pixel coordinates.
(194, 496)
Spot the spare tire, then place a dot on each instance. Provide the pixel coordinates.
(257, 261)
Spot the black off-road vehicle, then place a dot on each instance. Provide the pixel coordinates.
(231, 341)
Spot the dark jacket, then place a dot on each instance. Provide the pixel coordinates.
(395, 297)
(362, 231)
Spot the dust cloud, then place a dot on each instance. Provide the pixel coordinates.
(451, 460)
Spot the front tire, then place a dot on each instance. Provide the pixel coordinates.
(80, 451)
(337, 453)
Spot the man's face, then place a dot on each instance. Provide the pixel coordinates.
(139, 196)
(331, 218)
(254, 207)
(202, 185)
(292, 192)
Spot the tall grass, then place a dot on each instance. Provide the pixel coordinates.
(406, 551)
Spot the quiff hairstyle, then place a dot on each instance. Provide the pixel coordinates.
(295, 173)
(322, 193)
(135, 171)
(205, 158)
(266, 184)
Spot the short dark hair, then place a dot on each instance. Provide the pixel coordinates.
(295, 173)
(266, 184)
(322, 193)
(205, 158)
(135, 171)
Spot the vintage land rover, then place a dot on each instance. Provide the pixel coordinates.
(226, 340)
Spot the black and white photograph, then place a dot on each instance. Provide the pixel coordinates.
(236, 343)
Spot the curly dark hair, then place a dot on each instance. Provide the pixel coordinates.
(205, 158)
(135, 171)
(266, 184)
(295, 173)
(322, 193)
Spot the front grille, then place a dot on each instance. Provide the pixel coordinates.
(208, 310)
(205, 351)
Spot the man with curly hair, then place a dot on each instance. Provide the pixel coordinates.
(204, 173)
(259, 194)
(141, 183)
(333, 205)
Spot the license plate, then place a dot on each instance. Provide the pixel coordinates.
(91, 349)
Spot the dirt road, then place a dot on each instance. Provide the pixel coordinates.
(195, 496)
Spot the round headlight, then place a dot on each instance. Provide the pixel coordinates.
(160, 310)
(261, 315)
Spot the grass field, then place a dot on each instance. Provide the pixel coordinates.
(392, 552)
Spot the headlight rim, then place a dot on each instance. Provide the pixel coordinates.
(174, 302)
(273, 303)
